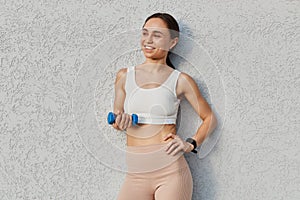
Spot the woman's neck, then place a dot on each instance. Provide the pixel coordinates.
(155, 65)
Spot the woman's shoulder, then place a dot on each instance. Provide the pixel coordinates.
(184, 77)
(122, 71)
(121, 74)
(185, 80)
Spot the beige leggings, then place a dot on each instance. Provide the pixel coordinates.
(155, 175)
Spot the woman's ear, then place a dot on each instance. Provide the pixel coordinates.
(173, 42)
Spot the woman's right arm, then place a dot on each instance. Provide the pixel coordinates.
(123, 120)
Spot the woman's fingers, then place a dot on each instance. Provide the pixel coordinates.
(123, 120)
(126, 120)
(176, 145)
(170, 135)
(172, 148)
(118, 120)
(129, 122)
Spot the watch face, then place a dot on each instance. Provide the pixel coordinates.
(190, 140)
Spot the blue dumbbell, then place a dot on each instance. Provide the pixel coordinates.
(112, 116)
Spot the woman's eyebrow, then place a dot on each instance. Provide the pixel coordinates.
(144, 29)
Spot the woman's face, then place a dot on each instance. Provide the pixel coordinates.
(156, 39)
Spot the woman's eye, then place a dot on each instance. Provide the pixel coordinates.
(144, 33)
(156, 35)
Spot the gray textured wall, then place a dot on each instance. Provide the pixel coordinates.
(55, 83)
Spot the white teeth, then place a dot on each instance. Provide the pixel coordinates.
(147, 47)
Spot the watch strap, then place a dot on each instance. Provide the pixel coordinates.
(193, 142)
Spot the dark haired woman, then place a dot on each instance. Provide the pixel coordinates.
(153, 90)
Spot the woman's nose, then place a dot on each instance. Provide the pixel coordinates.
(148, 39)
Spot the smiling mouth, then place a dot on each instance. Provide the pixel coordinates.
(148, 47)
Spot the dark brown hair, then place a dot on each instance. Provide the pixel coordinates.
(172, 26)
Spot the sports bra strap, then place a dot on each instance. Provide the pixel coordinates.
(129, 84)
(172, 81)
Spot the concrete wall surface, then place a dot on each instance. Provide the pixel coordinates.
(58, 64)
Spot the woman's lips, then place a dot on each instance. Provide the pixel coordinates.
(148, 47)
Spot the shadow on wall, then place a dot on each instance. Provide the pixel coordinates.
(204, 179)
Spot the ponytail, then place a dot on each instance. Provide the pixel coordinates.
(169, 61)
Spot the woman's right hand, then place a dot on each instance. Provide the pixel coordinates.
(122, 121)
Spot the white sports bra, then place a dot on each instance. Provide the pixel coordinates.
(157, 105)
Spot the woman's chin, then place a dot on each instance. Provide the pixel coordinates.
(149, 54)
(153, 55)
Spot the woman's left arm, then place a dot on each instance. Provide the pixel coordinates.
(187, 87)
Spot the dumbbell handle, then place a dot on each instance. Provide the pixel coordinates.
(112, 117)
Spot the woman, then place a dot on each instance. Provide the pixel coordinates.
(153, 91)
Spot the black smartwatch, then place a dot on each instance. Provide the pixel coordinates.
(193, 142)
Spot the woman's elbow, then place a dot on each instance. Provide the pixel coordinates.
(212, 120)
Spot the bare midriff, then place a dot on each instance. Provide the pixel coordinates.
(147, 134)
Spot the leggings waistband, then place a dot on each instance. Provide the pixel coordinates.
(149, 158)
(146, 148)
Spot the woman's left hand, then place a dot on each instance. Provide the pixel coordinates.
(177, 144)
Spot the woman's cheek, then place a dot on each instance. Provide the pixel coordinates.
(164, 46)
